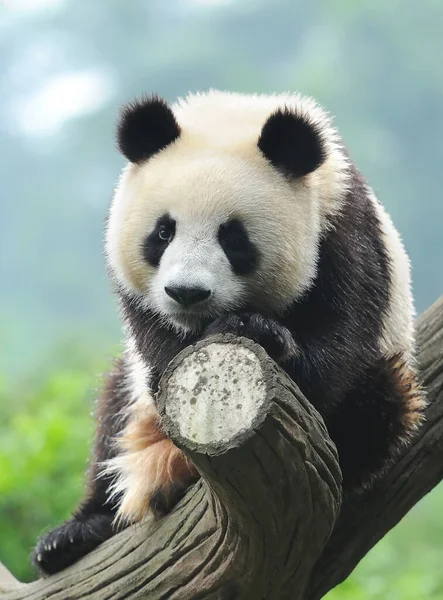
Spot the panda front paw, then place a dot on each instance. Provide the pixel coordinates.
(276, 339)
(73, 539)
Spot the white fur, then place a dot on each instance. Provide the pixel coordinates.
(398, 328)
(138, 375)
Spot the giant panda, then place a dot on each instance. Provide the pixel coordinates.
(245, 214)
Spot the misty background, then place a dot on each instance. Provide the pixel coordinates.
(66, 68)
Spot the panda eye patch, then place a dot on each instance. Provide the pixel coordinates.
(157, 241)
(239, 249)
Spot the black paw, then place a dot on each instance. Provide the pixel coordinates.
(276, 339)
(70, 541)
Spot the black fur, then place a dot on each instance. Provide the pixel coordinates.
(366, 422)
(241, 252)
(154, 246)
(146, 126)
(73, 538)
(292, 143)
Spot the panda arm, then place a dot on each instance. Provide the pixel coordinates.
(371, 404)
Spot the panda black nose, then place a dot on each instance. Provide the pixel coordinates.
(187, 296)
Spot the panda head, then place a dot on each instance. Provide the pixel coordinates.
(222, 204)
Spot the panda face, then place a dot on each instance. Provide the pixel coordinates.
(218, 213)
(201, 268)
(226, 230)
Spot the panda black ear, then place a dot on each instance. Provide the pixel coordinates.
(292, 143)
(145, 127)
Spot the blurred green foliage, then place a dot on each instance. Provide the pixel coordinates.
(46, 434)
(376, 65)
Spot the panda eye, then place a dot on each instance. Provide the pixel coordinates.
(164, 234)
(156, 242)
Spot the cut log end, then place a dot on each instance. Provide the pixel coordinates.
(214, 397)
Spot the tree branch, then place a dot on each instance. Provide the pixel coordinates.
(257, 524)
(365, 520)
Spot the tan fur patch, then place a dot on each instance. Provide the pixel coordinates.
(409, 388)
(149, 462)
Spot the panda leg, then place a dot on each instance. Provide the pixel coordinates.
(92, 522)
(150, 472)
(89, 526)
(374, 420)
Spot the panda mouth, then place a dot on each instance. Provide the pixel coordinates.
(192, 318)
(189, 325)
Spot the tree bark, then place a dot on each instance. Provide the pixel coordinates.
(258, 524)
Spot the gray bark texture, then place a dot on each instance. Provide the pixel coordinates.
(267, 520)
